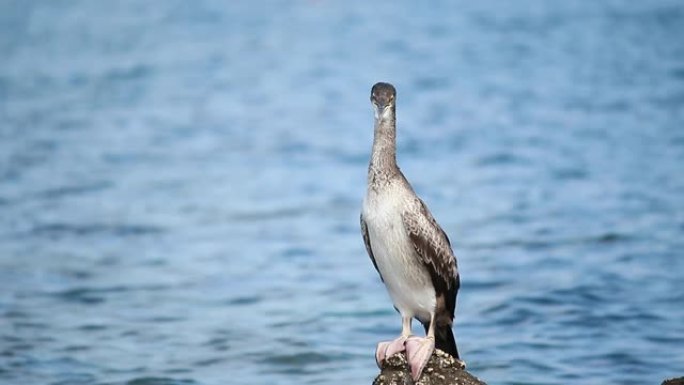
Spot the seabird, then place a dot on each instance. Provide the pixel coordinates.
(408, 248)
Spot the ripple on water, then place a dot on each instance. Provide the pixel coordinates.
(56, 230)
(92, 327)
(244, 301)
(294, 362)
(219, 344)
(88, 295)
(210, 361)
(73, 190)
(75, 379)
(159, 381)
(548, 242)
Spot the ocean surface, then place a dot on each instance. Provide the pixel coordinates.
(181, 182)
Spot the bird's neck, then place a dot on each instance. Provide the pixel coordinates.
(384, 155)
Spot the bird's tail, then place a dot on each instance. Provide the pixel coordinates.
(444, 340)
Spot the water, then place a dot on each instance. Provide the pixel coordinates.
(180, 184)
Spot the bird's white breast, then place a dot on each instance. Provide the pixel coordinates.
(407, 280)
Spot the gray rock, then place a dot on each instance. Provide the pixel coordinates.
(442, 369)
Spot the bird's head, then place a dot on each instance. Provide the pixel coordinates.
(383, 96)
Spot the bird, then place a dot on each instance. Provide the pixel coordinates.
(408, 248)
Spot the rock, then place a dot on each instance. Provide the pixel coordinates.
(674, 381)
(442, 369)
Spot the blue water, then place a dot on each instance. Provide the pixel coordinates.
(180, 184)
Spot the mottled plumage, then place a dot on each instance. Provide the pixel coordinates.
(408, 248)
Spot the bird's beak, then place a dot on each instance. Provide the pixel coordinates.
(378, 109)
(381, 107)
(381, 102)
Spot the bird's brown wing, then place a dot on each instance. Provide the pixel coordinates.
(366, 241)
(433, 247)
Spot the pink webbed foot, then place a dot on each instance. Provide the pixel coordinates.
(418, 352)
(388, 349)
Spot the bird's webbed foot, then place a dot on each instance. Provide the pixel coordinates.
(418, 352)
(387, 349)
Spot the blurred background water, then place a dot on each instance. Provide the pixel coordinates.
(180, 185)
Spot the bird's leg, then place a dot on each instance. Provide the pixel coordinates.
(389, 348)
(397, 345)
(419, 350)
